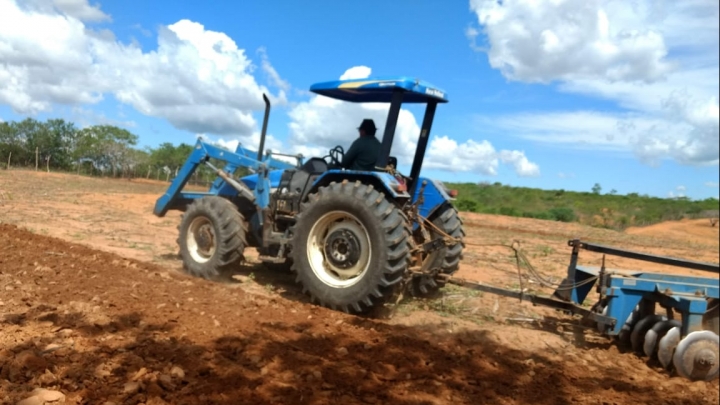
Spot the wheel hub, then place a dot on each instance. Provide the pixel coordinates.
(205, 240)
(705, 358)
(339, 249)
(342, 248)
(201, 240)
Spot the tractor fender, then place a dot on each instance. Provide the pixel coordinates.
(435, 195)
(383, 182)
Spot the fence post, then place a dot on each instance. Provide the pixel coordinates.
(9, 156)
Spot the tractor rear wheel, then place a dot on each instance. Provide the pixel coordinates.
(351, 247)
(212, 237)
(447, 258)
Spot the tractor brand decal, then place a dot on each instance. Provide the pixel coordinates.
(434, 92)
(385, 84)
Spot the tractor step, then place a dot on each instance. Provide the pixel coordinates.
(271, 259)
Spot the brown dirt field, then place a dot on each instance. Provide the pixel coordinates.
(696, 230)
(92, 304)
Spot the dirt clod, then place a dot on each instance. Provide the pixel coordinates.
(177, 372)
(42, 396)
(131, 387)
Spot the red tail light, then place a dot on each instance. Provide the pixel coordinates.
(453, 193)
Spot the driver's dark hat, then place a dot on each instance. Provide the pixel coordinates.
(368, 126)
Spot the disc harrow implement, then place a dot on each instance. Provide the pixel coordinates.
(670, 318)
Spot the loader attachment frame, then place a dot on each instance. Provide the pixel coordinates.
(175, 198)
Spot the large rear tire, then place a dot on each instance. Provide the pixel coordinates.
(351, 247)
(447, 258)
(212, 237)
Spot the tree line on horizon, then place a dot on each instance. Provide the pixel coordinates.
(610, 210)
(111, 151)
(98, 150)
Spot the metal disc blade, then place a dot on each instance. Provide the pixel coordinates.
(653, 336)
(711, 318)
(637, 337)
(666, 346)
(697, 356)
(626, 330)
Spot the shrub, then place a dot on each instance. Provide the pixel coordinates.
(509, 211)
(544, 215)
(538, 215)
(563, 214)
(466, 205)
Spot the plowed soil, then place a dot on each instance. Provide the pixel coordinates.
(93, 304)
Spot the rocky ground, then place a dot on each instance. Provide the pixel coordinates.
(104, 320)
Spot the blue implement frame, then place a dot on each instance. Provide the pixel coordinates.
(624, 291)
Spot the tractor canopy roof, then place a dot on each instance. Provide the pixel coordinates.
(380, 90)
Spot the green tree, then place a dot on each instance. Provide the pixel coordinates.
(107, 147)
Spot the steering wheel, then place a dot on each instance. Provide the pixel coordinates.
(336, 155)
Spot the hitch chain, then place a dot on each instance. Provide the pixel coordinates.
(520, 260)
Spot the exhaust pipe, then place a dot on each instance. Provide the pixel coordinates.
(264, 128)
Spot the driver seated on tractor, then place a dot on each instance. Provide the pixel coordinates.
(364, 151)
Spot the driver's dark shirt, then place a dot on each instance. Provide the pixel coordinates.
(363, 154)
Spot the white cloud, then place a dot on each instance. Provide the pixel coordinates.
(356, 72)
(475, 157)
(712, 184)
(79, 9)
(651, 138)
(83, 117)
(44, 59)
(275, 78)
(520, 162)
(581, 129)
(321, 123)
(545, 40)
(564, 175)
(679, 194)
(638, 54)
(199, 80)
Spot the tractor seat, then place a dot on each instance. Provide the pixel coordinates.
(315, 165)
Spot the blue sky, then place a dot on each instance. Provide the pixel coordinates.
(546, 94)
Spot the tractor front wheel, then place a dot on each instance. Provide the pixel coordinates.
(212, 237)
(350, 247)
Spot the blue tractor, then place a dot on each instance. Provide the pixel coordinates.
(354, 239)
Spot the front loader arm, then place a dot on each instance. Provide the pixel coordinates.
(202, 153)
